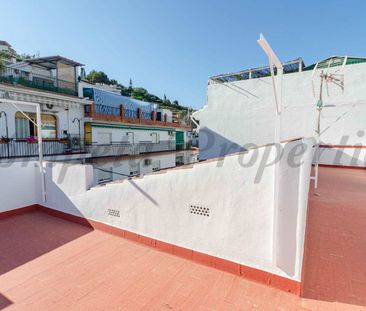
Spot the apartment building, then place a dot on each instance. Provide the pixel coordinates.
(128, 137)
(51, 83)
(120, 136)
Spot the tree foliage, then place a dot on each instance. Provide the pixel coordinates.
(139, 93)
(98, 77)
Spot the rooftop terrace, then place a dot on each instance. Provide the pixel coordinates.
(296, 65)
(74, 267)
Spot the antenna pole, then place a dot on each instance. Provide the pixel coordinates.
(317, 146)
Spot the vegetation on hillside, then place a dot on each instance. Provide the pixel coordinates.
(134, 92)
(19, 57)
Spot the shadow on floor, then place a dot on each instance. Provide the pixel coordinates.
(4, 302)
(28, 236)
(335, 253)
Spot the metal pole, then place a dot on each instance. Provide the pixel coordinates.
(79, 136)
(39, 133)
(40, 152)
(73, 121)
(6, 130)
(317, 147)
(277, 90)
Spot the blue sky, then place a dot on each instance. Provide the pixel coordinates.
(173, 47)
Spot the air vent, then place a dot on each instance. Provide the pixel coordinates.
(199, 210)
(113, 212)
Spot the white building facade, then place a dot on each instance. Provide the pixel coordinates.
(240, 110)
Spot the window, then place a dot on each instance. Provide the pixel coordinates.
(25, 128)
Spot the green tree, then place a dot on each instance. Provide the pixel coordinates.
(2, 66)
(154, 99)
(97, 77)
(113, 82)
(139, 93)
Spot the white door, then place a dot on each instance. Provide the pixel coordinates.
(154, 138)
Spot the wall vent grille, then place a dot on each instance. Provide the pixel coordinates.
(199, 210)
(113, 212)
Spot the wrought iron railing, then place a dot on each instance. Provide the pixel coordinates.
(24, 149)
(129, 113)
(37, 81)
(107, 150)
(156, 147)
(109, 110)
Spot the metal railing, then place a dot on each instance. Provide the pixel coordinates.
(37, 81)
(110, 150)
(153, 147)
(107, 150)
(109, 110)
(24, 149)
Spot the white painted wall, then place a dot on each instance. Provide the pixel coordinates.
(20, 184)
(140, 135)
(242, 112)
(240, 197)
(289, 233)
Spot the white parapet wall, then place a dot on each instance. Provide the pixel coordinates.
(343, 156)
(20, 184)
(241, 113)
(222, 207)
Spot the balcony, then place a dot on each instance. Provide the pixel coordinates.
(120, 114)
(24, 149)
(37, 81)
(129, 149)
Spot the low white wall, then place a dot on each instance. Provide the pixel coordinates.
(19, 184)
(243, 225)
(239, 193)
(343, 156)
(289, 232)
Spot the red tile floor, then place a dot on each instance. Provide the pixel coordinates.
(335, 252)
(51, 264)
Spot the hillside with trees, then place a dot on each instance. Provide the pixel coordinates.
(134, 92)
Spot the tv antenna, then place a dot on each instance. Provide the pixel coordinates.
(332, 77)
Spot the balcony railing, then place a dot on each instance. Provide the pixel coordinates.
(129, 149)
(24, 149)
(37, 81)
(120, 114)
